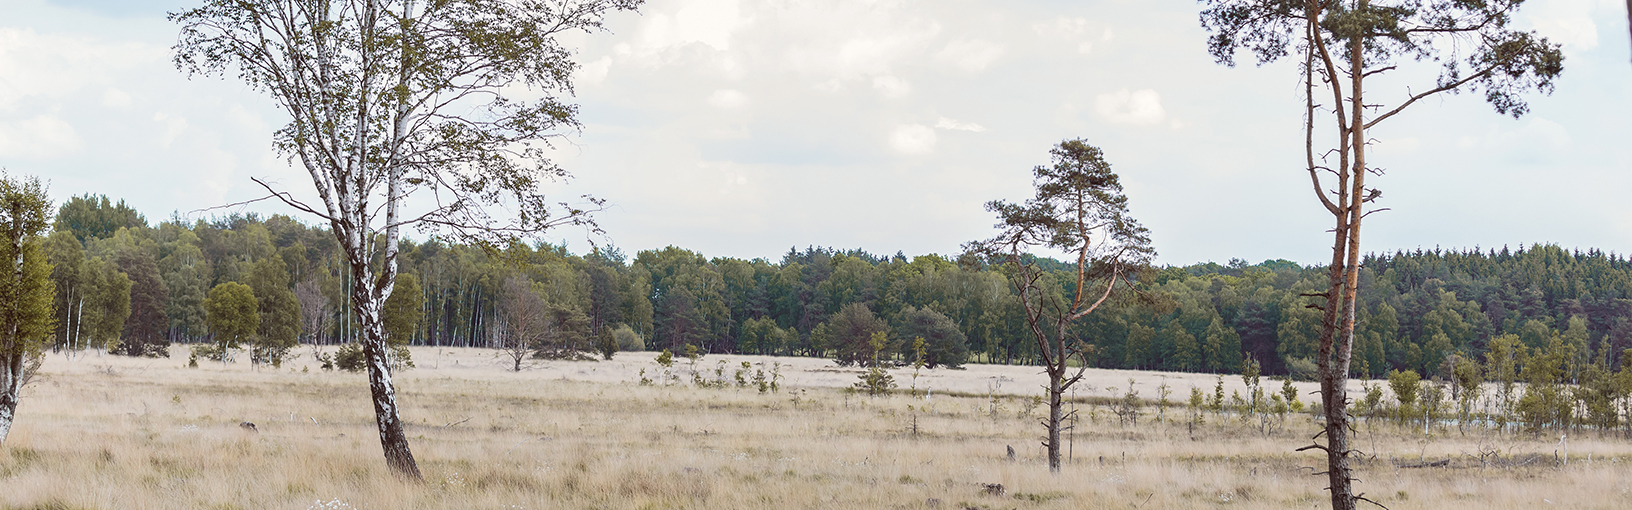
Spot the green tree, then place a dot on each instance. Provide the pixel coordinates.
(403, 310)
(1186, 352)
(278, 309)
(233, 315)
(852, 329)
(390, 98)
(1079, 209)
(1405, 385)
(67, 259)
(1344, 45)
(944, 344)
(144, 330)
(1222, 347)
(26, 290)
(108, 303)
(92, 216)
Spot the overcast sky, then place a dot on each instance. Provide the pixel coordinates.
(742, 128)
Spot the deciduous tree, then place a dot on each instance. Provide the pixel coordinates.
(26, 290)
(392, 98)
(233, 315)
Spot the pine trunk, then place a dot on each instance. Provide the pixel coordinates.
(1055, 417)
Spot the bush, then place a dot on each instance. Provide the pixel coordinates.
(349, 357)
(606, 344)
(1302, 369)
(628, 339)
(875, 381)
(210, 351)
(269, 354)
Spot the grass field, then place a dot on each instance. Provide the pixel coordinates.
(114, 432)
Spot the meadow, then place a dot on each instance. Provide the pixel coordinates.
(104, 432)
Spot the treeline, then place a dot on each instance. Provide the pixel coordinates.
(135, 288)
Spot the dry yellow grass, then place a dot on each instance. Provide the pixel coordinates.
(114, 432)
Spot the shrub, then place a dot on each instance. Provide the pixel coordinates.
(349, 357)
(628, 340)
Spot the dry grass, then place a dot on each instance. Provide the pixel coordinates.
(113, 432)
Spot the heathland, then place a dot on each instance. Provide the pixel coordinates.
(109, 431)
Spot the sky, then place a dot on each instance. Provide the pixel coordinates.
(744, 128)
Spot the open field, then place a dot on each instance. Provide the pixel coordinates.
(116, 432)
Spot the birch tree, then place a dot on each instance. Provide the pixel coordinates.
(1344, 46)
(397, 99)
(26, 290)
(1079, 209)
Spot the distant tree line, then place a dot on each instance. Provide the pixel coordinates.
(135, 288)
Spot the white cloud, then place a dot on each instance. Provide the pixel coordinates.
(1108, 35)
(890, 86)
(1538, 141)
(729, 99)
(946, 123)
(115, 98)
(53, 66)
(844, 39)
(1139, 108)
(1569, 23)
(914, 139)
(40, 137)
(594, 73)
(1062, 27)
(707, 22)
(1085, 47)
(173, 127)
(970, 56)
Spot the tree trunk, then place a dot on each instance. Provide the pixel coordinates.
(383, 393)
(1055, 417)
(11, 383)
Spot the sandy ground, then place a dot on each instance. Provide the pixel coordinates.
(433, 363)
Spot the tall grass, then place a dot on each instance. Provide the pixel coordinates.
(114, 432)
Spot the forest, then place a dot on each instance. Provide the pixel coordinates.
(138, 289)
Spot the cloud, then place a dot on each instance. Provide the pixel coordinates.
(913, 139)
(728, 99)
(594, 73)
(1139, 108)
(946, 123)
(1062, 27)
(890, 86)
(40, 137)
(970, 56)
(173, 126)
(707, 22)
(115, 98)
(1568, 23)
(36, 66)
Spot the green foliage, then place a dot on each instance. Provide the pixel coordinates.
(943, 343)
(144, 328)
(349, 357)
(233, 316)
(93, 216)
(628, 340)
(606, 344)
(403, 310)
(1405, 385)
(277, 309)
(853, 330)
(875, 381)
(26, 288)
